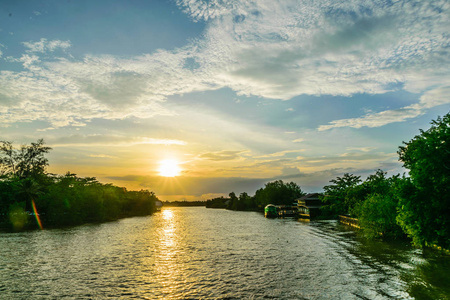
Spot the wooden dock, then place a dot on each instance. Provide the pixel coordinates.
(287, 211)
(349, 221)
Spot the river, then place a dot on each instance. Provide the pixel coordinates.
(199, 253)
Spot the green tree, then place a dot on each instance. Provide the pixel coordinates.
(377, 216)
(377, 212)
(425, 199)
(340, 196)
(278, 193)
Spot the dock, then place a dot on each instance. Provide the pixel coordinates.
(287, 211)
(349, 221)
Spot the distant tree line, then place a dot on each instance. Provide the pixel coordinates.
(416, 206)
(30, 197)
(276, 192)
(185, 203)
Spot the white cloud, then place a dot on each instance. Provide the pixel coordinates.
(102, 156)
(280, 153)
(362, 149)
(428, 100)
(286, 48)
(44, 45)
(265, 48)
(224, 155)
(111, 141)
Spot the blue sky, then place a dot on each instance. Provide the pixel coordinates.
(238, 92)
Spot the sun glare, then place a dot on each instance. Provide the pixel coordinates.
(169, 168)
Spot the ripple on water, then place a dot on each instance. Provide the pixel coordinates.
(193, 253)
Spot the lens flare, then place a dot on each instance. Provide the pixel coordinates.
(38, 220)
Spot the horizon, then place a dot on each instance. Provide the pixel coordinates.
(194, 99)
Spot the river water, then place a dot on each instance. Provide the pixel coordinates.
(199, 253)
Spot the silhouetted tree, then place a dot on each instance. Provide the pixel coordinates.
(278, 193)
(25, 162)
(60, 200)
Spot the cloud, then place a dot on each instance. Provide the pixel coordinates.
(283, 49)
(280, 153)
(44, 45)
(221, 155)
(362, 149)
(290, 171)
(264, 48)
(428, 100)
(111, 141)
(102, 156)
(197, 186)
(299, 140)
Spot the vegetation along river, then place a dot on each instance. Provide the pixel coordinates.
(199, 253)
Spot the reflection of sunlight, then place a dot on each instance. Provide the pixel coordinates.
(168, 236)
(167, 214)
(167, 265)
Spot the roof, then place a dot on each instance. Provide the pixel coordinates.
(310, 196)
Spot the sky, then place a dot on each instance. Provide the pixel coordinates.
(235, 93)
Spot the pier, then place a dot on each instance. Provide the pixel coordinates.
(349, 221)
(287, 211)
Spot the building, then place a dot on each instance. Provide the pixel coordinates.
(309, 206)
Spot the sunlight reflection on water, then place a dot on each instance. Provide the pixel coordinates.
(192, 253)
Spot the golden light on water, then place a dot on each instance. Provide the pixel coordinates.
(167, 264)
(167, 214)
(169, 168)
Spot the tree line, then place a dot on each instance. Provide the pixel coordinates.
(416, 206)
(31, 198)
(276, 192)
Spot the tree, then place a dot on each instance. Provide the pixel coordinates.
(25, 168)
(277, 192)
(377, 212)
(425, 198)
(26, 162)
(232, 204)
(340, 195)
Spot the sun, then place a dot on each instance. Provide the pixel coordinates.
(169, 168)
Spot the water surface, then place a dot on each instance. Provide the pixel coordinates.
(199, 253)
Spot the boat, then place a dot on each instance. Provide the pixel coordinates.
(270, 211)
(158, 205)
(309, 207)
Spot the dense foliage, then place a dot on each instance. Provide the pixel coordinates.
(278, 193)
(275, 192)
(424, 204)
(31, 198)
(418, 205)
(340, 196)
(184, 203)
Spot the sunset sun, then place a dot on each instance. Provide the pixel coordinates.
(169, 168)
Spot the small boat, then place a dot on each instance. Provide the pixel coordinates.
(270, 211)
(158, 205)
